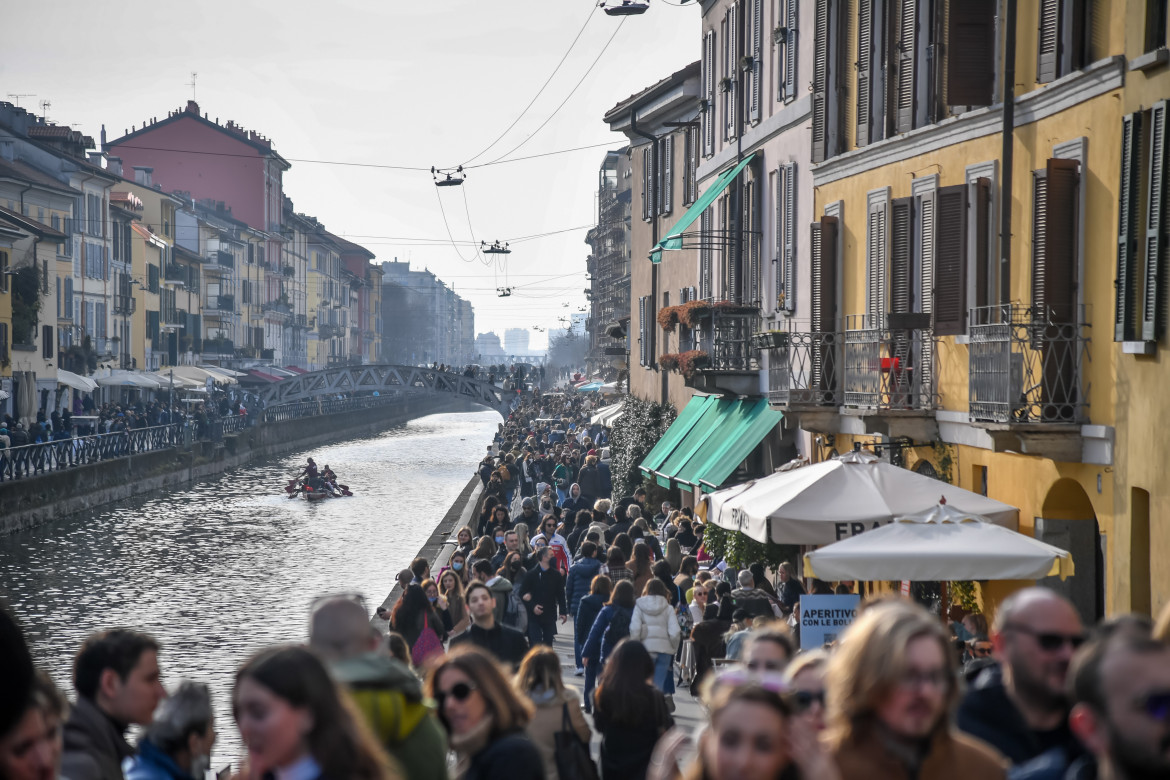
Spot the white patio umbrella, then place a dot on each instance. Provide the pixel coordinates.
(607, 414)
(77, 382)
(941, 544)
(826, 502)
(127, 379)
(201, 375)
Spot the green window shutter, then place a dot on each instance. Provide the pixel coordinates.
(1154, 295)
(1127, 201)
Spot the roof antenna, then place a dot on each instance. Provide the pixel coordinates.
(191, 84)
(45, 105)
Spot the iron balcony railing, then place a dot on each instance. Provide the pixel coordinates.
(803, 366)
(124, 304)
(888, 364)
(222, 302)
(726, 336)
(221, 258)
(1026, 366)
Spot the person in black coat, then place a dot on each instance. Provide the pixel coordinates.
(543, 592)
(506, 644)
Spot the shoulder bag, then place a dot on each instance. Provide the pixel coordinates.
(573, 759)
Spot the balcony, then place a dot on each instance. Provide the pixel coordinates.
(219, 305)
(219, 346)
(174, 273)
(288, 271)
(888, 376)
(220, 260)
(124, 304)
(301, 321)
(803, 368)
(721, 350)
(278, 307)
(1027, 382)
(173, 316)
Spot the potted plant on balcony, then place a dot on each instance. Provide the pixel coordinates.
(668, 318)
(668, 361)
(692, 312)
(691, 361)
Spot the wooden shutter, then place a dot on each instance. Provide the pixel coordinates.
(971, 52)
(820, 83)
(980, 203)
(823, 295)
(647, 179)
(751, 235)
(1048, 51)
(904, 54)
(47, 342)
(755, 93)
(1058, 277)
(705, 254)
(1157, 242)
(875, 262)
(709, 93)
(865, 46)
(1127, 229)
(950, 252)
(901, 258)
(790, 237)
(731, 50)
(643, 342)
(791, 51)
(668, 174)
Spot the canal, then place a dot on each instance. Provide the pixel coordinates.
(229, 566)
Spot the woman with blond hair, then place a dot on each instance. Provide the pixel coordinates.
(484, 717)
(893, 684)
(451, 591)
(557, 708)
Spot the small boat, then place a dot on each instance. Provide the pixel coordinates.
(296, 488)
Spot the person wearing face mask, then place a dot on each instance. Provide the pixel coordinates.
(177, 744)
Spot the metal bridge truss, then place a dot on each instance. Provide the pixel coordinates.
(385, 379)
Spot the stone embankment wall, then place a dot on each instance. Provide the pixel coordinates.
(30, 502)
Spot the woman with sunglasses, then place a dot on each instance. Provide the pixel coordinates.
(484, 717)
(629, 712)
(296, 722)
(806, 683)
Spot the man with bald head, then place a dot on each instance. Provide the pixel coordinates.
(1020, 707)
(385, 690)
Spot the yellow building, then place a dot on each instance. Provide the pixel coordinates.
(977, 335)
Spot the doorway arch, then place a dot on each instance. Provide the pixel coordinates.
(1069, 522)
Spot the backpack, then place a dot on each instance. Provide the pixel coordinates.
(505, 475)
(515, 615)
(619, 627)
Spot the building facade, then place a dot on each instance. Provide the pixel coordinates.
(608, 265)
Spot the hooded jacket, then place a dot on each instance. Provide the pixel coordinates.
(654, 624)
(94, 745)
(580, 579)
(391, 699)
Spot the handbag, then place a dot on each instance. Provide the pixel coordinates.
(427, 645)
(573, 759)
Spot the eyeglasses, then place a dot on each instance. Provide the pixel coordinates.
(981, 650)
(1156, 705)
(459, 692)
(1050, 642)
(802, 701)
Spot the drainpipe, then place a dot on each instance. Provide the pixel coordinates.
(1007, 155)
(653, 226)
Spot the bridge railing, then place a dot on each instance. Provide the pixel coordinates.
(31, 459)
(319, 406)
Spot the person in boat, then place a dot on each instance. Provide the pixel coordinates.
(329, 479)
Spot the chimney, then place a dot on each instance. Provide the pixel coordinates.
(192, 107)
(7, 150)
(115, 165)
(103, 137)
(142, 175)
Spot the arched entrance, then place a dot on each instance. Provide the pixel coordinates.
(1068, 521)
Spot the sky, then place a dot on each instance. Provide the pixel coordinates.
(394, 83)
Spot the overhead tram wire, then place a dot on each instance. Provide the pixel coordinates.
(543, 87)
(448, 227)
(572, 92)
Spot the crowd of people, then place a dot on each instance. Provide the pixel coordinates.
(466, 681)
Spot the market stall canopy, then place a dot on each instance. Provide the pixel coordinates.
(163, 377)
(77, 382)
(589, 387)
(674, 237)
(709, 439)
(127, 379)
(606, 415)
(826, 502)
(201, 375)
(220, 370)
(941, 544)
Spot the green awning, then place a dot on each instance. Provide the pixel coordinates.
(678, 430)
(673, 240)
(710, 445)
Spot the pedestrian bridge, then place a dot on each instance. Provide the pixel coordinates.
(385, 379)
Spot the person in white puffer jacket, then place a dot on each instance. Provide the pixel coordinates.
(655, 625)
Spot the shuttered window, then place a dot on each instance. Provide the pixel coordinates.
(1157, 243)
(3, 268)
(647, 182)
(823, 302)
(868, 52)
(971, 52)
(705, 239)
(152, 328)
(1127, 228)
(979, 208)
(902, 292)
(751, 242)
(3, 344)
(905, 51)
(667, 183)
(47, 342)
(707, 118)
(876, 237)
(152, 278)
(787, 50)
(820, 81)
(1062, 44)
(730, 64)
(690, 164)
(786, 238)
(643, 331)
(755, 40)
(1054, 240)
(950, 252)
(925, 209)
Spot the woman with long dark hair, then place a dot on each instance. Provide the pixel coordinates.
(629, 711)
(415, 619)
(642, 567)
(485, 514)
(611, 626)
(484, 717)
(295, 722)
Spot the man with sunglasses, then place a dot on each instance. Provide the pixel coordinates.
(1021, 707)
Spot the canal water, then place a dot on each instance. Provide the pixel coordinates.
(230, 566)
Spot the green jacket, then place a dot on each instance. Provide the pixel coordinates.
(391, 699)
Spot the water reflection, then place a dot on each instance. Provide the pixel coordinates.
(229, 566)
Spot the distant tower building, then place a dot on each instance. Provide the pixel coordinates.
(516, 341)
(487, 345)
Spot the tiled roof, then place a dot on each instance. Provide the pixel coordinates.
(28, 223)
(21, 171)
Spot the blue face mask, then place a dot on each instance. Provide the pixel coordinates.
(432, 599)
(457, 566)
(499, 540)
